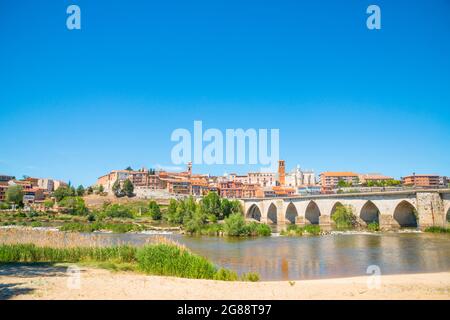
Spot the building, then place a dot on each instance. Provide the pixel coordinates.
(199, 187)
(33, 194)
(178, 186)
(298, 178)
(282, 191)
(250, 190)
(3, 187)
(422, 180)
(46, 184)
(139, 178)
(58, 183)
(373, 177)
(281, 172)
(26, 185)
(309, 190)
(263, 179)
(6, 178)
(238, 178)
(230, 189)
(330, 180)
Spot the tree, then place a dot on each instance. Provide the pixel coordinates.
(118, 211)
(74, 205)
(129, 168)
(211, 205)
(80, 191)
(62, 192)
(14, 194)
(171, 214)
(101, 189)
(128, 188)
(342, 184)
(343, 217)
(234, 225)
(116, 189)
(154, 210)
(89, 190)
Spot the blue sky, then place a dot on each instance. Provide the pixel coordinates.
(76, 104)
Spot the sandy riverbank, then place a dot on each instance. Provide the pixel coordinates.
(39, 282)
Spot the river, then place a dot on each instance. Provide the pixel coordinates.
(328, 256)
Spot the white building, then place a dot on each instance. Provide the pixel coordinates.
(264, 179)
(46, 184)
(297, 178)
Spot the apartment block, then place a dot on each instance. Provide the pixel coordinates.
(330, 180)
(421, 180)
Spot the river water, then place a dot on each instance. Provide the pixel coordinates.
(329, 256)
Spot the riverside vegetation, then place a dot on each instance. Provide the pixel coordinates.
(164, 258)
(211, 215)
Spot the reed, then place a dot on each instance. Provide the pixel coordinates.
(32, 253)
(158, 256)
(169, 260)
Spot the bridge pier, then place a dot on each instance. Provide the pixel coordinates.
(299, 220)
(430, 209)
(325, 222)
(386, 222)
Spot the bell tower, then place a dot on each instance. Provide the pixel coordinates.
(189, 168)
(281, 172)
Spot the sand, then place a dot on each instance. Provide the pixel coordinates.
(40, 282)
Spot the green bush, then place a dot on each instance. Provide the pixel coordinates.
(212, 229)
(296, 230)
(32, 253)
(437, 230)
(262, 229)
(343, 218)
(117, 211)
(373, 226)
(235, 225)
(312, 229)
(4, 206)
(96, 226)
(154, 210)
(225, 275)
(36, 224)
(250, 276)
(169, 260)
(73, 206)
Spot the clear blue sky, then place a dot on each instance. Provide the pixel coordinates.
(76, 104)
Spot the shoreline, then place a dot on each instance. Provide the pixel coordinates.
(30, 282)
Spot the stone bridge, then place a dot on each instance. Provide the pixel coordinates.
(392, 210)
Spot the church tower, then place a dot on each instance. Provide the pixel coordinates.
(281, 173)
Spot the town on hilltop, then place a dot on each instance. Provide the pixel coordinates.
(161, 184)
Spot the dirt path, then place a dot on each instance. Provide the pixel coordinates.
(50, 282)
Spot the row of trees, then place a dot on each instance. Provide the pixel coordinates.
(210, 208)
(380, 183)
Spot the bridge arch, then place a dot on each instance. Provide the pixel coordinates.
(272, 214)
(254, 212)
(291, 213)
(312, 213)
(405, 215)
(369, 213)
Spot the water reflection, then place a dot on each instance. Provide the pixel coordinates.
(336, 255)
